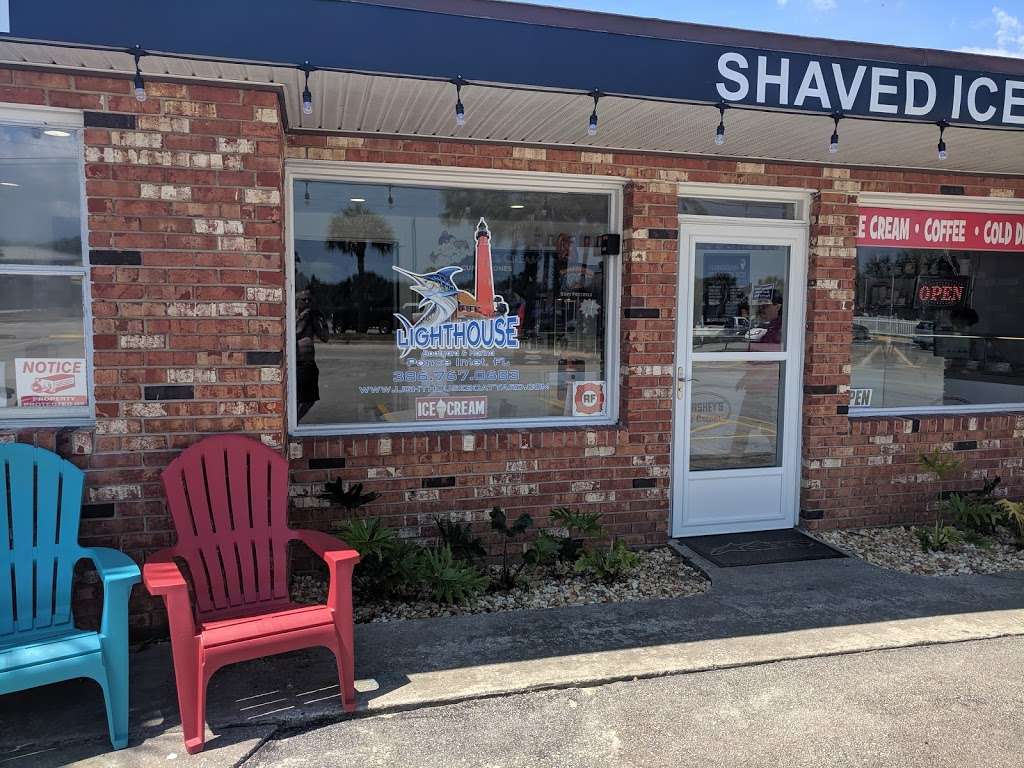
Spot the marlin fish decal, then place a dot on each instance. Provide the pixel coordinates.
(438, 296)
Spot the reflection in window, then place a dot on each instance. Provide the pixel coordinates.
(734, 415)
(417, 305)
(43, 365)
(935, 327)
(739, 297)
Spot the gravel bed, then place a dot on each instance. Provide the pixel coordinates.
(898, 548)
(660, 573)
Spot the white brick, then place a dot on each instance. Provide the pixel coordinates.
(236, 146)
(136, 139)
(262, 196)
(599, 450)
(266, 115)
(270, 375)
(265, 295)
(155, 341)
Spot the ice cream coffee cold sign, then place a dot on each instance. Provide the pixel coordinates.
(955, 230)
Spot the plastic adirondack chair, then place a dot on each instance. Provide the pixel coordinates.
(40, 504)
(228, 496)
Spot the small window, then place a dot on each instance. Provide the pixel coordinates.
(44, 365)
(738, 209)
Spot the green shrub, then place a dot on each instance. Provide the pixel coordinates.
(388, 566)
(938, 538)
(545, 550)
(579, 525)
(608, 565)
(459, 537)
(507, 575)
(1013, 517)
(973, 514)
(351, 498)
(448, 579)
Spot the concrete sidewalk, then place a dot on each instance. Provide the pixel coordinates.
(748, 616)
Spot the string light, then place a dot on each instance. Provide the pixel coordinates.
(307, 96)
(140, 84)
(460, 110)
(592, 125)
(833, 143)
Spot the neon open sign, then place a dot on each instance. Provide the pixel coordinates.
(939, 292)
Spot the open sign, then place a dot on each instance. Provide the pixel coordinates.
(941, 292)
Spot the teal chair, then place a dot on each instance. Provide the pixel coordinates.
(40, 504)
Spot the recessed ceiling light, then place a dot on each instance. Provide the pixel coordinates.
(357, 199)
(57, 133)
(8, 184)
(517, 206)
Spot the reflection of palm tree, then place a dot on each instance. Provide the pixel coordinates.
(353, 231)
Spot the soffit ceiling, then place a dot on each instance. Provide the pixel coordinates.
(388, 106)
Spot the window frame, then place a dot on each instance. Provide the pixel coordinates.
(21, 417)
(955, 204)
(460, 178)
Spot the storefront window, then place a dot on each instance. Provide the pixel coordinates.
(937, 328)
(43, 353)
(426, 305)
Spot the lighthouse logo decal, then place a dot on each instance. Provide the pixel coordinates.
(450, 317)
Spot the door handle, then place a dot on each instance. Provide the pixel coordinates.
(681, 381)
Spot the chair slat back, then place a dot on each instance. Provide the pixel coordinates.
(40, 505)
(228, 496)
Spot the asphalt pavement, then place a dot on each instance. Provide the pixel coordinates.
(956, 705)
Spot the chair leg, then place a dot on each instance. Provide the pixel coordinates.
(193, 722)
(191, 684)
(346, 673)
(115, 687)
(115, 697)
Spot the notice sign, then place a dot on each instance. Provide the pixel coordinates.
(967, 230)
(588, 398)
(444, 408)
(50, 381)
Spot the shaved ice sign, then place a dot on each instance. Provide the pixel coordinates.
(50, 382)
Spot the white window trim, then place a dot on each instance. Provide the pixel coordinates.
(754, 193)
(14, 417)
(467, 178)
(950, 203)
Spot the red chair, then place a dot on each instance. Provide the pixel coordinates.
(228, 496)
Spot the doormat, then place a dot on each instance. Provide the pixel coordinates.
(789, 545)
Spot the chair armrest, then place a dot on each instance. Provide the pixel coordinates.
(340, 559)
(161, 574)
(119, 574)
(164, 578)
(113, 566)
(329, 549)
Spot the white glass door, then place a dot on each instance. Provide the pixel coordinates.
(738, 377)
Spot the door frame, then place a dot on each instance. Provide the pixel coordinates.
(796, 233)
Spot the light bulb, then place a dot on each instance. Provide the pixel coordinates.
(140, 87)
(720, 134)
(592, 125)
(307, 102)
(460, 114)
(833, 145)
(942, 150)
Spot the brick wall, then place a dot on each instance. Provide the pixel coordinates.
(185, 219)
(185, 246)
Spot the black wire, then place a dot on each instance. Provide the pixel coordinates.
(499, 86)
